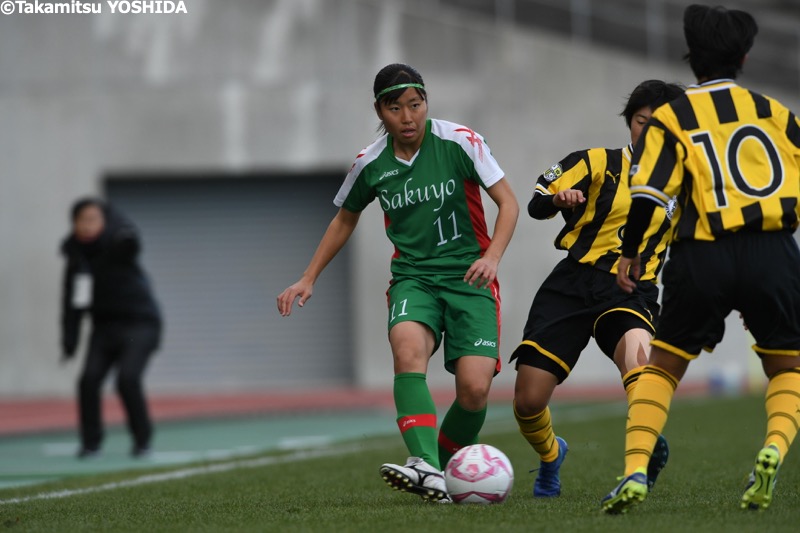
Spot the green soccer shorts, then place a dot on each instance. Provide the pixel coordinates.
(468, 318)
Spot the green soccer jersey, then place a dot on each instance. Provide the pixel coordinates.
(432, 204)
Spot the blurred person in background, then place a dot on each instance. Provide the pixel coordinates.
(103, 277)
(427, 176)
(732, 157)
(580, 299)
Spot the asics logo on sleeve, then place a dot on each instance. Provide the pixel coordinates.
(388, 173)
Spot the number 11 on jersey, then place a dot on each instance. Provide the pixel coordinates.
(438, 225)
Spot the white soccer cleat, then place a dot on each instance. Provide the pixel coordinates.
(417, 477)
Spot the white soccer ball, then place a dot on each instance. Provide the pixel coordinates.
(479, 473)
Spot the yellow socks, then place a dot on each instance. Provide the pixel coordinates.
(647, 416)
(783, 409)
(538, 431)
(629, 381)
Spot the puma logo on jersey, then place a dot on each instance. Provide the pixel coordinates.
(671, 205)
(614, 177)
(388, 173)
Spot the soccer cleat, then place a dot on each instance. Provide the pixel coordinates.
(657, 461)
(761, 484)
(547, 483)
(141, 452)
(417, 477)
(630, 491)
(89, 453)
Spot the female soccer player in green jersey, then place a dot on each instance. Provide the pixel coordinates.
(580, 299)
(427, 176)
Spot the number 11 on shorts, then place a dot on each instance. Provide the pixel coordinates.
(402, 310)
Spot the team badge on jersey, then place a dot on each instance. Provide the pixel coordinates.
(553, 173)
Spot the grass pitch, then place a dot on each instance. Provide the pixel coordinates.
(713, 444)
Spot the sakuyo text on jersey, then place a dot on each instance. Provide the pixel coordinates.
(417, 195)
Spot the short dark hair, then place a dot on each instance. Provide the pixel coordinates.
(652, 94)
(83, 203)
(718, 39)
(395, 74)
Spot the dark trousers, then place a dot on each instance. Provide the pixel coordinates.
(126, 346)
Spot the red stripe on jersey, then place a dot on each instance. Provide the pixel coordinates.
(476, 215)
(411, 421)
(388, 299)
(447, 444)
(386, 223)
(495, 288)
(360, 155)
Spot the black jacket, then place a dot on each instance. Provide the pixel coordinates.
(120, 288)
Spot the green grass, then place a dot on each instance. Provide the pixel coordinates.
(713, 442)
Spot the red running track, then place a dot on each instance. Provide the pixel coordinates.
(35, 415)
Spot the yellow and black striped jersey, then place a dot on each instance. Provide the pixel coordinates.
(593, 230)
(731, 156)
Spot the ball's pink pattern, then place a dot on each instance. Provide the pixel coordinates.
(490, 497)
(479, 473)
(473, 471)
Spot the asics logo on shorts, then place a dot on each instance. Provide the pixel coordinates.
(481, 342)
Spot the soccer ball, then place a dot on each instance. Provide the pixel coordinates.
(479, 474)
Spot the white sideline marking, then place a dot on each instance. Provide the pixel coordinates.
(190, 472)
(592, 412)
(58, 449)
(292, 443)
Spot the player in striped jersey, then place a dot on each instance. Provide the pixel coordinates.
(732, 157)
(580, 298)
(427, 176)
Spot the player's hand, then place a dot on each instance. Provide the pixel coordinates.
(569, 198)
(482, 273)
(629, 270)
(302, 289)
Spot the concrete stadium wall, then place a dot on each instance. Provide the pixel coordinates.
(285, 84)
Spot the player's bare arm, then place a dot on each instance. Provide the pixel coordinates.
(337, 234)
(484, 270)
(568, 198)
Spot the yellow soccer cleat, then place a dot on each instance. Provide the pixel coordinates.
(630, 491)
(758, 494)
